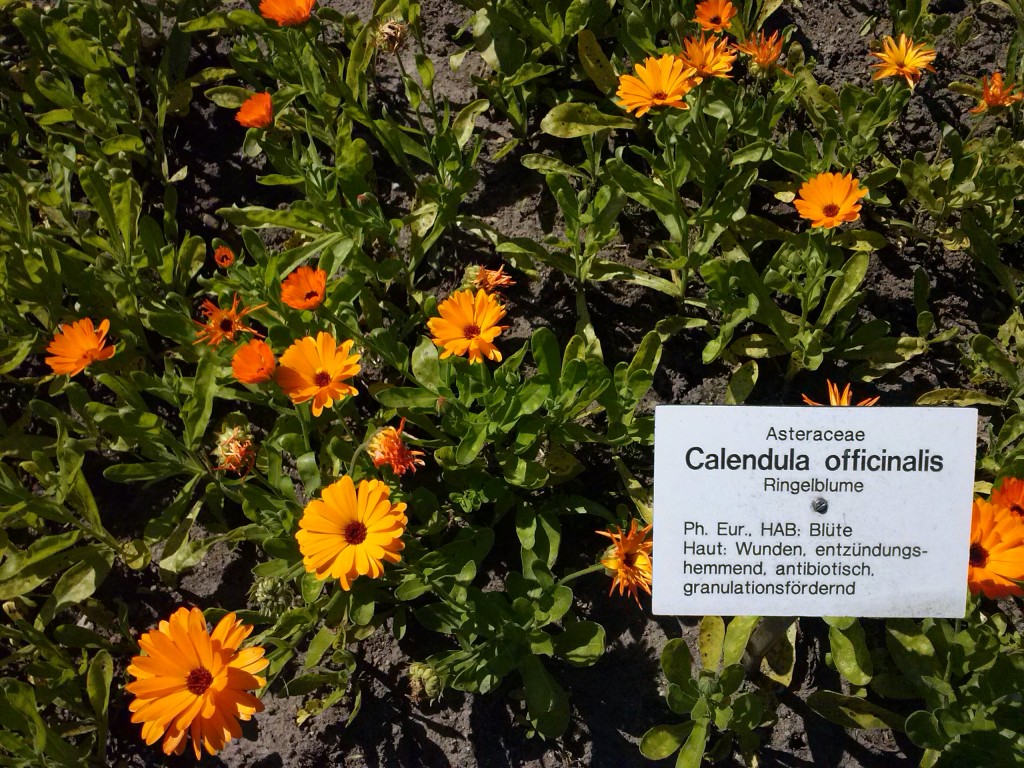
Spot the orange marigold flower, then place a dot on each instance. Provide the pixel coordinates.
(387, 447)
(75, 347)
(996, 95)
(254, 362)
(223, 324)
(708, 56)
(764, 50)
(1010, 494)
(491, 280)
(256, 112)
(659, 82)
(468, 326)
(191, 682)
(304, 288)
(715, 15)
(903, 59)
(997, 551)
(235, 451)
(630, 560)
(318, 370)
(286, 13)
(349, 533)
(835, 398)
(829, 199)
(223, 256)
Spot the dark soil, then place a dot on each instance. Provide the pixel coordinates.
(617, 700)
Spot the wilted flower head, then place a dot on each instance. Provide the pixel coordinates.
(223, 256)
(387, 447)
(903, 59)
(829, 199)
(223, 324)
(995, 95)
(189, 682)
(765, 51)
(390, 35)
(659, 82)
(715, 15)
(424, 682)
(234, 450)
(630, 560)
(286, 13)
(76, 346)
(490, 280)
(709, 56)
(845, 398)
(256, 112)
(468, 325)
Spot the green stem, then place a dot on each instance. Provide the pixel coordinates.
(582, 572)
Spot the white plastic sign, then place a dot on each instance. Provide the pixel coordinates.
(804, 511)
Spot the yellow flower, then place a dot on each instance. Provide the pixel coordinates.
(903, 59)
(765, 51)
(709, 56)
(995, 95)
(835, 398)
(630, 560)
(189, 682)
(318, 370)
(660, 82)
(829, 199)
(468, 325)
(348, 533)
(715, 15)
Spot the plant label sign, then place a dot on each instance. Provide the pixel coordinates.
(776, 511)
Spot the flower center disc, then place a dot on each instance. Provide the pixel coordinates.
(716, 19)
(830, 210)
(198, 680)
(355, 532)
(629, 559)
(659, 95)
(1017, 509)
(227, 324)
(979, 556)
(311, 295)
(471, 331)
(321, 378)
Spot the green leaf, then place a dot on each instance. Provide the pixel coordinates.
(924, 730)
(582, 643)
(853, 712)
(850, 653)
(844, 287)
(228, 96)
(97, 683)
(595, 63)
(710, 640)
(661, 741)
(676, 661)
(465, 121)
(426, 365)
(197, 409)
(546, 702)
(736, 636)
(692, 753)
(995, 358)
(741, 383)
(571, 120)
(322, 640)
(406, 397)
(959, 397)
